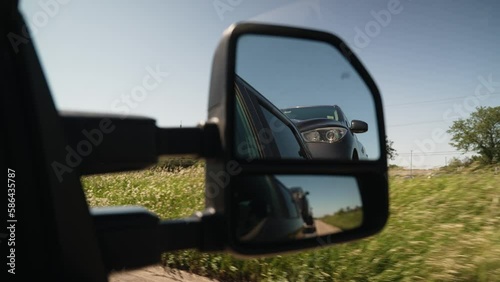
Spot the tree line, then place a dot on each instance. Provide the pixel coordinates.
(479, 133)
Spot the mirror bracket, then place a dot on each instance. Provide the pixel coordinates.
(102, 143)
(203, 141)
(182, 141)
(132, 236)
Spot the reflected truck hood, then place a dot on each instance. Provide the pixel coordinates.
(309, 124)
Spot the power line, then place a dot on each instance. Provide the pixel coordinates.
(425, 102)
(437, 100)
(435, 153)
(416, 123)
(428, 101)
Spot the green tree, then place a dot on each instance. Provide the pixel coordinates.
(479, 133)
(391, 152)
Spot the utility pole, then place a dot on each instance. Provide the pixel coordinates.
(445, 161)
(411, 163)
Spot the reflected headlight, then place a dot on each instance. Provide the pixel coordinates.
(325, 135)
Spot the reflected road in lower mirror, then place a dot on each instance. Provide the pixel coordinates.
(292, 207)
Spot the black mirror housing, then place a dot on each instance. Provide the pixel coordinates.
(225, 170)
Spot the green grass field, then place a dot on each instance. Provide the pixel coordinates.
(442, 228)
(345, 220)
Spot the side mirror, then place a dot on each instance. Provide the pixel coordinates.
(358, 126)
(280, 97)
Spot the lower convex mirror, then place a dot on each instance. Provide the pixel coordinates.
(280, 208)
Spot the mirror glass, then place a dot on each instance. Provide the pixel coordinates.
(300, 99)
(293, 207)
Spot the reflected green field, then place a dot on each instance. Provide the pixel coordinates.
(344, 220)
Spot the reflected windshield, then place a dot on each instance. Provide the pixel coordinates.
(303, 113)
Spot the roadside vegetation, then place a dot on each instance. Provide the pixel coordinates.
(444, 226)
(479, 133)
(345, 219)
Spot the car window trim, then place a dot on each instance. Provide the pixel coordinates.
(258, 118)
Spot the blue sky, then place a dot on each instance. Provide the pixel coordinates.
(327, 194)
(434, 62)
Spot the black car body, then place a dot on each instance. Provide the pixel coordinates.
(262, 130)
(266, 211)
(328, 132)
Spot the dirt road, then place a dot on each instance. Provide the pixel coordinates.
(323, 228)
(156, 273)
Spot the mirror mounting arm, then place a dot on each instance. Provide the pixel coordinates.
(133, 237)
(203, 141)
(102, 143)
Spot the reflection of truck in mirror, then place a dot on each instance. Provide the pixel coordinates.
(300, 197)
(328, 132)
(268, 211)
(262, 130)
